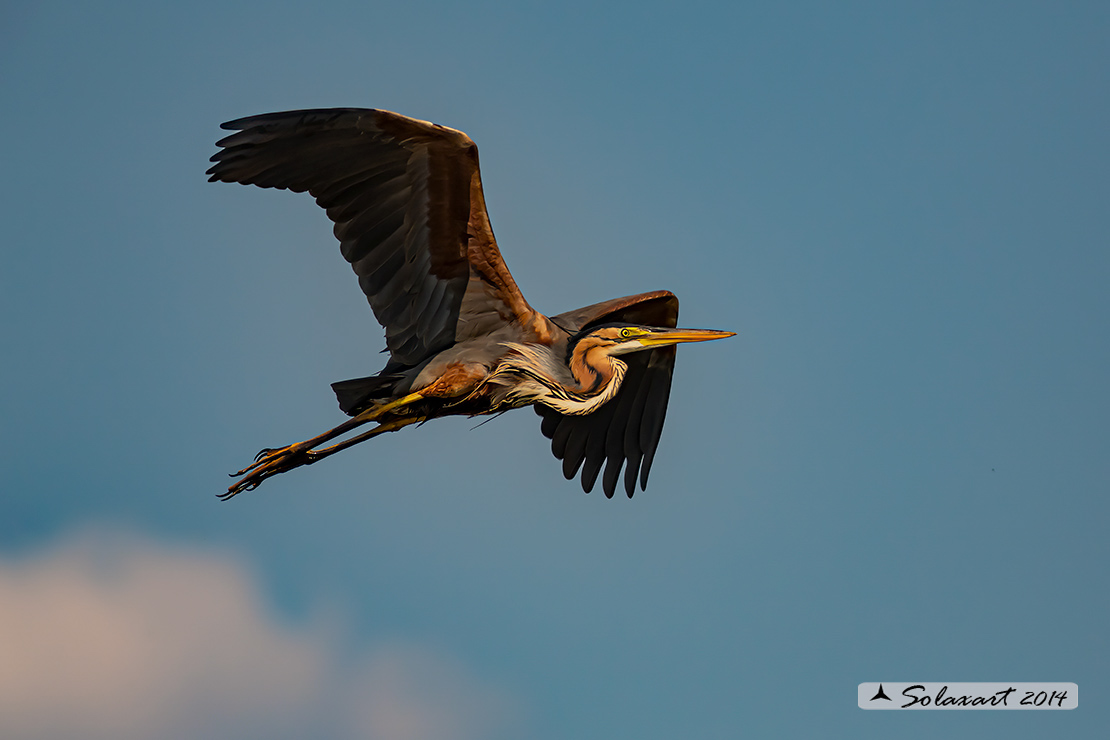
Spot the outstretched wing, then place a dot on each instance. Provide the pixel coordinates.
(624, 432)
(406, 199)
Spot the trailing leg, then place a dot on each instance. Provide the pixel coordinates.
(271, 462)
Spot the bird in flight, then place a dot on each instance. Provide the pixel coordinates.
(406, 199)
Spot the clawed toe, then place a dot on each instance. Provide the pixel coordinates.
(268, 462)
(264, 457)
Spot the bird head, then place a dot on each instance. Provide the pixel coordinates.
(621, 339)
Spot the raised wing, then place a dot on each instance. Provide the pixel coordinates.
(406, 199)
(624, 432)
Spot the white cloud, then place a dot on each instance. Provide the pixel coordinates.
(106, 636)
(412, 693)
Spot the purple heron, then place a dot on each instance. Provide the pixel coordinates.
(406, 199)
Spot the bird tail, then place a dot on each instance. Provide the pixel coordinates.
(358, 394)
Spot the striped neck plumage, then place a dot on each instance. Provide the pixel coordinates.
(590, 379)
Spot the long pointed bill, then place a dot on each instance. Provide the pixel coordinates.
(663, 337)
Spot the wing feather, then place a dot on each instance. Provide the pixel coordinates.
(406, 199)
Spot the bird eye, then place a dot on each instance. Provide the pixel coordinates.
(626, 332)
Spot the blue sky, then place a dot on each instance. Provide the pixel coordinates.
(897, 470)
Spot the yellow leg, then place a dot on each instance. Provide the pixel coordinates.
(377, 412)
(270, 462)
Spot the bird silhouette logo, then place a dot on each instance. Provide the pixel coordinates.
(881, 694)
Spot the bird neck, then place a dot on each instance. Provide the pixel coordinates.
(530, 373)
(591, 367)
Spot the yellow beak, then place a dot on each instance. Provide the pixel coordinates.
(663, 337)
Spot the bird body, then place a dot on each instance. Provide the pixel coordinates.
(406, 200)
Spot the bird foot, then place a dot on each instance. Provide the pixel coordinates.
(268, 463)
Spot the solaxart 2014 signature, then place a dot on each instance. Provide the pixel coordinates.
(968, 695)
(916, 695)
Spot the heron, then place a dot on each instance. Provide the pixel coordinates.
(406, 200)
